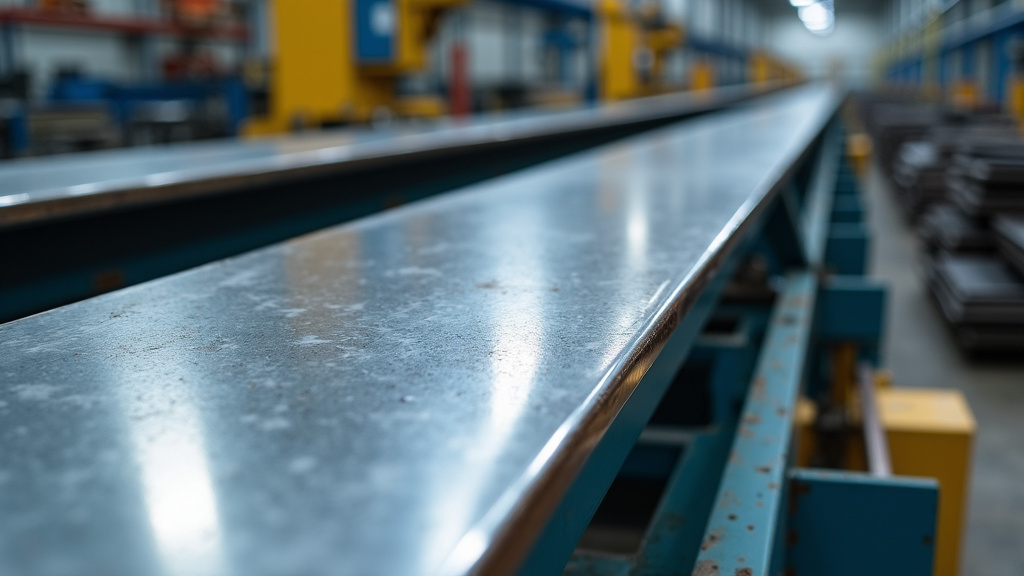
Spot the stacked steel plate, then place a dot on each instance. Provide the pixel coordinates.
(962, 180)
(981, 298)
(1009, 236)
(946, 227)
(987, 177)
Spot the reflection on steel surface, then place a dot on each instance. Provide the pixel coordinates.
(364, 399)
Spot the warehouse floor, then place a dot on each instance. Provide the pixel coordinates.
(921, 352)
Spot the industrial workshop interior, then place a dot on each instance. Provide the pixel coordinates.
(512, 287)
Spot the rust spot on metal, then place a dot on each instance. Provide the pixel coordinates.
(764, 469)
(488, 285)
(746, 432)
(759, 385)
(729, 499)
(734, 458)
(773, 486)
(744, 572)
(781, 411)
(787, 320)
(732, 517)
(706, 568)
(750, 527)
(741, 560)
(777, 364)
(752, 419)
(713, 539)
(759, 504)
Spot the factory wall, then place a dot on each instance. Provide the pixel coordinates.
(851, 47)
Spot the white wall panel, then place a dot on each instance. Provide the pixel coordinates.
(854, 42)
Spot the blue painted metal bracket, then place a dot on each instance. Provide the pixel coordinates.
(816, 214)
(849, 524)
(851, 308)
(846, 249)
(742, 531)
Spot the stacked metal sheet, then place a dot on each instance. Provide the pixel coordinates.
(921, 171)
(920, 176)
(893, 124)
(987, 177)
(962, 180)
(981, 297)
(945, 227)
(1009, 237)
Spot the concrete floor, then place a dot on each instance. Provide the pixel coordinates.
(921, 352)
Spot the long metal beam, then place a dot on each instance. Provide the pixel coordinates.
(411, 393)
(77, 184)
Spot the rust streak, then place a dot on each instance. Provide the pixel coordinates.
(706, 568)
(713, 539)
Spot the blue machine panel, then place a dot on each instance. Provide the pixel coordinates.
(847, 524)
(376, 26)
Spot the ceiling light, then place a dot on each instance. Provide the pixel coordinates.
(818, 17)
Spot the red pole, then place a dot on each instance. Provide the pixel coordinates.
(459, 89)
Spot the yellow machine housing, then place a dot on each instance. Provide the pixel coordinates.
(629, 37)
(315, 78)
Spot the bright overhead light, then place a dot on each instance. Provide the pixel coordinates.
(818, 17)
(800, 3)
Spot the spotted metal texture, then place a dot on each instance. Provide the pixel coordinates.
(76, 184)
(399, 395)
(742, 529)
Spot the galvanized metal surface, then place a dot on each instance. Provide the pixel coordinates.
(391, 396)
(66, 185)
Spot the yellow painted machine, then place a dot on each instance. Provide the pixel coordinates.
(634, 47)
(338, 60)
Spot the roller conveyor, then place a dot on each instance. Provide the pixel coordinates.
(89, 223)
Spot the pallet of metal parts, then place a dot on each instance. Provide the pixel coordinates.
(944, 226)
(981, 297)
(1008, 232)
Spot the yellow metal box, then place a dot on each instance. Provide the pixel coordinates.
(930, 434)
